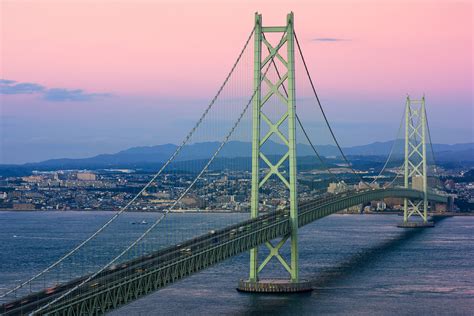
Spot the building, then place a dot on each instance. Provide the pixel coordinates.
(393, 203)
(417, 183)
(32, 179)
(432, 182)
(449, 184)
(162, 195)
(23, 207)
(86, 176)
(364, 185)
(356, 209)
(337, 187)
(440, 207)
(192, 201)
(381, 206)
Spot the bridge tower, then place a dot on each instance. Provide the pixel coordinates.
(274, 52)
(415, 165)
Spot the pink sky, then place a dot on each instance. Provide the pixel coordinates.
(183, 49)
(134, 47)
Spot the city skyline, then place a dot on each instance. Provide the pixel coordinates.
(85, 87)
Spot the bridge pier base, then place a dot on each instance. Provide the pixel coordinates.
(274, 286)
(413, 224)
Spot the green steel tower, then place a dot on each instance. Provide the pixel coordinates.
(415, 165)
(261, 65)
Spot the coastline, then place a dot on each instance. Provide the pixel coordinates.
(446, 214)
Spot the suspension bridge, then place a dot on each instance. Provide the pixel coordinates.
(87, 280)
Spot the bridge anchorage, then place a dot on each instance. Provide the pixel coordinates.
(415, 165)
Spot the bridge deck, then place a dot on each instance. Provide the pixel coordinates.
(131, 280)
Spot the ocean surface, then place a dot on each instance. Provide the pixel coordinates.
(359, 265)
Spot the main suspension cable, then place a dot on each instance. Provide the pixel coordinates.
(399, 172)
(324, 115)
(431, 143)
(176, 152)
(226, 139)
(391, 151)
(300, 124)
(325, 166)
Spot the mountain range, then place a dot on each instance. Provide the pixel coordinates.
(234, 149)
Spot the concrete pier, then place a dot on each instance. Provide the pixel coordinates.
(274, 286)
(415, 224)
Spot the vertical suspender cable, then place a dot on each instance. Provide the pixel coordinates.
(226, 139)
(299, 122)
(178, 149)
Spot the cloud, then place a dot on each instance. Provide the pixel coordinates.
(57, 95)
(50, 94)
(11, 87)
(5, 81)
(329, 39)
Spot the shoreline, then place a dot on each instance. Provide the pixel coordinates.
(446, 214)
(115, 211)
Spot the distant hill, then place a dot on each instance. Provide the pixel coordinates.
(161, 153)
(383, 148)
(198, 151)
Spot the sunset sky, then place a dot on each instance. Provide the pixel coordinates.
(86, 77)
